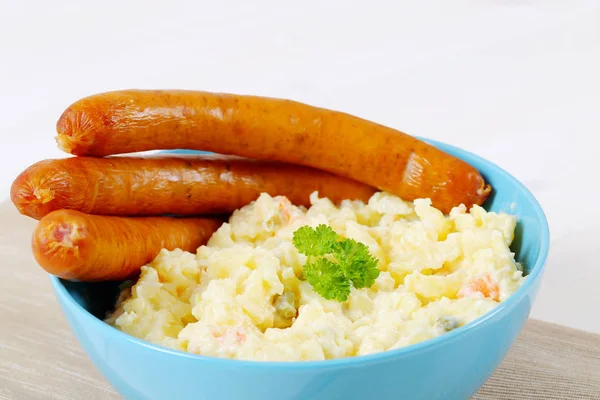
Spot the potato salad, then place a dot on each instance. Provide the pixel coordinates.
(251, 294)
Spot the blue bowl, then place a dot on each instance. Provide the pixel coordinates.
(452, 366)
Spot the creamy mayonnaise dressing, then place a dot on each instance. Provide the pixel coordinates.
(240, 296)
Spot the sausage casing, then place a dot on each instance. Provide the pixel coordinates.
(158, 185)
(272, 129)
(78, 246)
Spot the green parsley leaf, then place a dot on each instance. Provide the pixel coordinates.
(327, 279)
(355, 265)
(315, 242)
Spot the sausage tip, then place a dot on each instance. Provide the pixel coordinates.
(62, 234)
(64, 130)
(64, 143)
(56, 240)
(75, 131)
(485, 191)
(43, 195)
(33, 194)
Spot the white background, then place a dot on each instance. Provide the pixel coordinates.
(517, 82)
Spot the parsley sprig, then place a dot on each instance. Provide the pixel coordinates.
(353, 265)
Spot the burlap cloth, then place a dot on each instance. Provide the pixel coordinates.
(40, 358)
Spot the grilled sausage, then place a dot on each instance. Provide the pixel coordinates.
(272, 129)
(157, 185)
(77, 246)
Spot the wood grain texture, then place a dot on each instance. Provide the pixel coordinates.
(41, 360)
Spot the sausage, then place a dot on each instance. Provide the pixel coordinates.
(273, 129)
(157, 185)
(77, 246)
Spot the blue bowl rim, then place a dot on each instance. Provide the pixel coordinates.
(534, 274)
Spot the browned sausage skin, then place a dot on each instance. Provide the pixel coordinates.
(77, 246)
(158, 185)
(272, 129)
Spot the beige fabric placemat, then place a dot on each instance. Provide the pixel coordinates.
(41, 360)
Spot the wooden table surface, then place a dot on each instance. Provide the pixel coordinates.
(40, 358)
